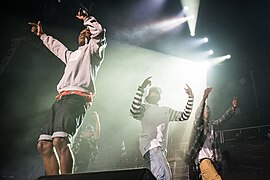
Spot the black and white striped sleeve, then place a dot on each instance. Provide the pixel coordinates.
(137, 109)
(182, 116)
(188, 109)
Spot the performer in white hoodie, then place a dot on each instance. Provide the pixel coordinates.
(75, 92)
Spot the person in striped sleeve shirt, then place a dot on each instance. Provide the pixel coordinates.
(154, 122)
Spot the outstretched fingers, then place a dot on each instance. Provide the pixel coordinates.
(188, 90)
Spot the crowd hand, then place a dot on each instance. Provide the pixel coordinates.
(234, 103)
(207, 92)
(36, 28)
(189, 91)
(146, 82)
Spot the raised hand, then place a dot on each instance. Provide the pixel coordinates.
(146, 82)
(207, 92)
(36, 28)
(82, 14)
(189, 91)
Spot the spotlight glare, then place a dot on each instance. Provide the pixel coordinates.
(205, 40)
(192, 34)
(211, 52)
(228, 56)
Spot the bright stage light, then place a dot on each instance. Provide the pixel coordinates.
(196, 42)
(210, 52)
(228, 56)
(217, 60)
(193, 9)
(205, 40)
(192, 34)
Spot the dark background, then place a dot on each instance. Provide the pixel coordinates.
(29, 73)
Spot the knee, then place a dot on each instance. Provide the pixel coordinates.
(45, 147)
(60, 143)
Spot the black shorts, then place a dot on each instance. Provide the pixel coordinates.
(64, 117)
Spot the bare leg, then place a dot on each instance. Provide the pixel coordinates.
(50, 163)
(65, 155)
